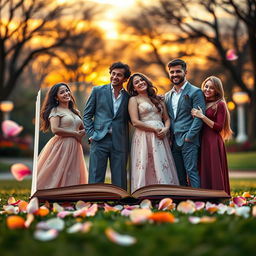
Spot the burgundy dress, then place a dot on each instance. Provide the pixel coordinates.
(213, 167)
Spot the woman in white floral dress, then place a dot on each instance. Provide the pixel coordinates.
(151, 157)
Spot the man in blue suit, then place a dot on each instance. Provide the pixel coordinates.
(106, 123)
(184, 128)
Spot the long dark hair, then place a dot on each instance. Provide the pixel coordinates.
(151, 90)
(51, 102)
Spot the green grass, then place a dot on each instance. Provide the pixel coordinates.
(229, 235)
(242, 161)
(4, 167)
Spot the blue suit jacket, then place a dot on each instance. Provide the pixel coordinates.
(99, 117)
(184, 125)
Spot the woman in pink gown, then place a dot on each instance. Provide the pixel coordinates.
(151, 157)
(213, 167)
(61, 162)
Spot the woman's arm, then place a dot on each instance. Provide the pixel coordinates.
(133, 111)
(199, 114)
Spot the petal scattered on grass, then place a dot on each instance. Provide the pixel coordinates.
(204, 219)
(63, 214)
(11, 201)
(243, 211)
(199, 205)
(57, 208)
(138, 216)
(246, 195)
(29, 220)
(108, 208)
(55, 223)
(23, 206)
(239, 201)
(15, 222)
(10, 209)
(42, 211)
(254, 211)
(45, 235)
(146, 204)
(11, 128)
(162, 217)
(211, 208)
(92, 210)
(81, 204)
(165, 204)
(80, 227)
(124, 240)
(20, 171)
(186, 207)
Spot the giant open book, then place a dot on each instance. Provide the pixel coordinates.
(108, 192)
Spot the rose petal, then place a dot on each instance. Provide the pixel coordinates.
(77, 227)
(57, 208)
(125, 212)
(29, 220)
(42, 211)
(207, 219)
(108, 208)
(63, 214)
(92, 210)
(239, 201)
(186, 207)
(12, 201)
(47, 235)
(10, 209)
(254, 211)
(194, 219)
(10, 128)
(212, 208)
(81, 204)
(20, 171)
(55, 223)
(138, 216)
(231, 55)
(146, 204)
(246, 194)
(14, 222)
(165, 204)
(162, 217)
(23, 206)
(117, 238)
(33, 205)
(199, 205)
(243, 211)
(131, 207)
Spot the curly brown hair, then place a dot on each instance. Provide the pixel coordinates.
(151, 90)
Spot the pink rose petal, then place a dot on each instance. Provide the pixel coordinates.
(63, 214)
(92, 210)
(199, 205)
(231, 55)
(124, 240)
(81, 204)
(10, 128)
(239, 201)
(57, 208)
(165, 204)
(254, 211)
(186, 207)
(138, 216)
(20, 171)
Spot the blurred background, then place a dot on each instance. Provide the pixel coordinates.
(43, 42)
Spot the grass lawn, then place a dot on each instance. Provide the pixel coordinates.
(242, 161)
(228, 235)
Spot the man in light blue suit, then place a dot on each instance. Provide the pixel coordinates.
(184, 128)
(106, 123)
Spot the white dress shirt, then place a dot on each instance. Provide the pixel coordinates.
(175, 98)
(116, 101)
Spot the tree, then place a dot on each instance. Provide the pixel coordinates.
(206, 19)
(22, 25)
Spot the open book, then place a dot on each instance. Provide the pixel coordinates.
(109, 192)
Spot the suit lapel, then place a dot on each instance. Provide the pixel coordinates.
(169, 103)
(109, 98)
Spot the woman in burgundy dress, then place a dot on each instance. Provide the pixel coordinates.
(213, 166)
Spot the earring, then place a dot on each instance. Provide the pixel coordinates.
(57, 102)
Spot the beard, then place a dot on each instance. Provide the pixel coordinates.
(181, 80)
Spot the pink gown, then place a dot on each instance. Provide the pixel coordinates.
(151, 158)
(61, 162)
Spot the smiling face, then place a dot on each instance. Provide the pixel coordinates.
(117, 77)
(177, 75)
(63, 94)
(209, 90)
(139, 84)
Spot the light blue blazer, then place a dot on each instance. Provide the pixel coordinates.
(184, 125)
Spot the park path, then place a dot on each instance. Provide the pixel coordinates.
(236, 174)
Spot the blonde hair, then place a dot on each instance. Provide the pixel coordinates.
(226, 132)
